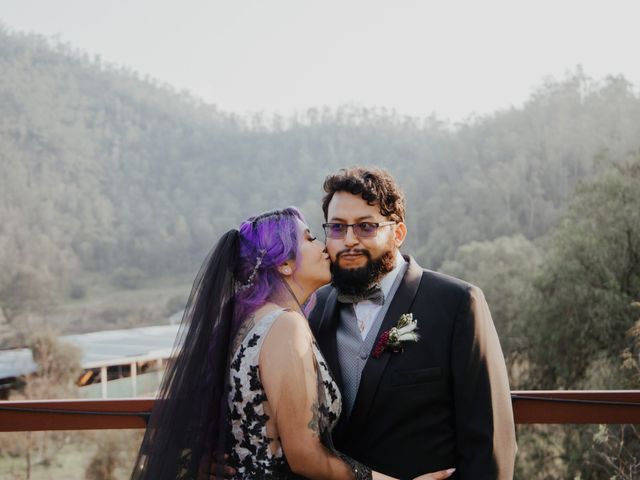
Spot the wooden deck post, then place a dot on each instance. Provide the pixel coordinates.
(134, 379)
(103, 381)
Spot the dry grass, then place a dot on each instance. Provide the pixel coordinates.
(70, 459)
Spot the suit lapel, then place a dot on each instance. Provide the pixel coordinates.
(326, 335)
(374, 368)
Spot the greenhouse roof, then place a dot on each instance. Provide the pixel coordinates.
(101, 349)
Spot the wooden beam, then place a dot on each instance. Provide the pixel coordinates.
(576, 406)
(74, 414)
(529, 407)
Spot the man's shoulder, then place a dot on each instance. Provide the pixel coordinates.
(444, 287)
(442, 281)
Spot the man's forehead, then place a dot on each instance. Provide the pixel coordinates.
(345, 205)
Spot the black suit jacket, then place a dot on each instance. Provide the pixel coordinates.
(442, 402)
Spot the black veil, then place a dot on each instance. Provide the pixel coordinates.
(187, 429)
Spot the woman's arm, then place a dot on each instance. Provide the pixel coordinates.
(288, 374)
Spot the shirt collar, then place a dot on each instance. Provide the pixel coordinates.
(387, 281)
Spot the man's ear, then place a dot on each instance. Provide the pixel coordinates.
(399, 234)
(285, 269)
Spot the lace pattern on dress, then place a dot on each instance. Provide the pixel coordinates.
(328, 393)
(250, 446)
(251, 451)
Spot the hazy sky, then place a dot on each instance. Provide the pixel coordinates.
(450, 57)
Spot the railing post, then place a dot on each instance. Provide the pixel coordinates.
(134, 377)
(103, 381)
(159, 371)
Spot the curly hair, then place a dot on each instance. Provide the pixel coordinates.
(375, 185)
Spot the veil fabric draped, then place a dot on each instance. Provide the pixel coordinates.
(186, 430)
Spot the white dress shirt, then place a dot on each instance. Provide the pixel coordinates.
(366, 311)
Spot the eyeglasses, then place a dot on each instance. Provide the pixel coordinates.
(360, 230)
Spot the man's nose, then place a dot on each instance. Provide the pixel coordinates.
(350, 237)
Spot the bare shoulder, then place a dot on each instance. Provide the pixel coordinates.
(291, 324)
(289, 317)
(289, 331)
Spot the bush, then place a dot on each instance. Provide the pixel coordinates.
(129, 278)
(107, 458)
(78, 291)
(176, 304)
(115, 454)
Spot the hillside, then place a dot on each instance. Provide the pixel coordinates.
(108, 174)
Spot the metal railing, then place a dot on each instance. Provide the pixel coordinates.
(539, 406)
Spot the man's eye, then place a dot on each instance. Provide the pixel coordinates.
(337, 227)
(366, 226)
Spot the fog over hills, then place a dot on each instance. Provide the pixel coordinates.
(103, 170)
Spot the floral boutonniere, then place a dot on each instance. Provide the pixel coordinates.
(404, 331)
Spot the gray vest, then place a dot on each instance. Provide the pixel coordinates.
(353, 351)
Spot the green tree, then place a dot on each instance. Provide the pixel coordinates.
(503, 268)
(28, 290)
(582, 308)
(578, 318)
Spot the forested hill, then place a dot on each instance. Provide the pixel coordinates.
(101, 169)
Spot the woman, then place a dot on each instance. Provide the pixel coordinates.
(248, 378)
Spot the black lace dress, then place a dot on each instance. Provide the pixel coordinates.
(252, 451)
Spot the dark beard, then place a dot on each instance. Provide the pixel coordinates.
(357, 281)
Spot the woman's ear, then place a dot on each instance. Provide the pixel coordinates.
(285, 269)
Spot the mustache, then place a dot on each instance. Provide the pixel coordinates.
(361, 251)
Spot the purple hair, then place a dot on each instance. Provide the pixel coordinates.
(272, 239)
(188, 424)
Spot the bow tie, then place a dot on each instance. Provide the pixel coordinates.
(374, 294)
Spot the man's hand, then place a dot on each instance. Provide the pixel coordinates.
(436, 475)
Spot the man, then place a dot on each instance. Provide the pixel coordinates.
(409, 406)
